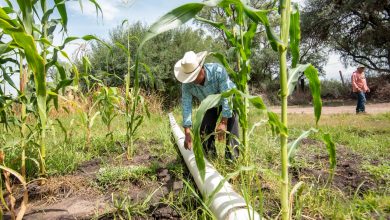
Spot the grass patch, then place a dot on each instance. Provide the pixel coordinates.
(112, 175)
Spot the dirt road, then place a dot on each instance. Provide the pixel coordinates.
(328, 110)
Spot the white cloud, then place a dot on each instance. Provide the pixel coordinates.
(111, 8)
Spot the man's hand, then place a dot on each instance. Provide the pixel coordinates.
(188, 139)
(368, 90)
(221, 129)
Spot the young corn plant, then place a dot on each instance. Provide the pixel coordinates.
(87, 111)
(31, 31)
(246, 21)
(133, 99)
(107, 100)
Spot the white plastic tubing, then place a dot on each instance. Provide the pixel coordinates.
(226, 204)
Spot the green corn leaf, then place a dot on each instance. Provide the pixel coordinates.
(224, 62)
(209, 102)
(46, 15)
(60, 4)
(5, 48)
(6, 60)
(9, 3)
(63, 130)
(260, 16)
(26, 6)
(87, 64)
(292, 146)
(311, 74)
(86, 38)
(276, 125)
(144, 105)
(172, 19)
(294, 75)
(123, 48)
(256, 101)
(248, 37)
(219, 25)
(331, 147)
(34, 60)
(61, 70)
(92, 37)
(200, 200)
(295, 34)
(9, 81)
(238, 9)
(97, 6)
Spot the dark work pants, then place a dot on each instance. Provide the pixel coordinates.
(361, 101)
(208, 126)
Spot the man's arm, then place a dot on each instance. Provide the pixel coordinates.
(186, 100)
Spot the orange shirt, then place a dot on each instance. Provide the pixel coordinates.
(359, 82)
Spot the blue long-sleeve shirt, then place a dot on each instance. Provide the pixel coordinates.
(216, 81)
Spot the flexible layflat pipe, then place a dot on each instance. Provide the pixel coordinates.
(226, 204)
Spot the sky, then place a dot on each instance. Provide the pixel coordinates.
(86, 21)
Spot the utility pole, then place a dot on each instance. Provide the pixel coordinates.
(342, 78)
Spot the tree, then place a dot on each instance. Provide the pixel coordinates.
(358, 30)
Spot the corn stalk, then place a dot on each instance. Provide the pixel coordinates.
(136, 108)
(284, 9)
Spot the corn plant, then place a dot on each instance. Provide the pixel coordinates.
(133, 98)
(31, 30)
(88, 113)
(246, 20)
(107, 100)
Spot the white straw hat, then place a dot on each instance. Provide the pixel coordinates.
(187, 69)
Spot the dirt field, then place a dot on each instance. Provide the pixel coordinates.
(328, 110)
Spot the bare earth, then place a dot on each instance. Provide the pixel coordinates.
(328, 110)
